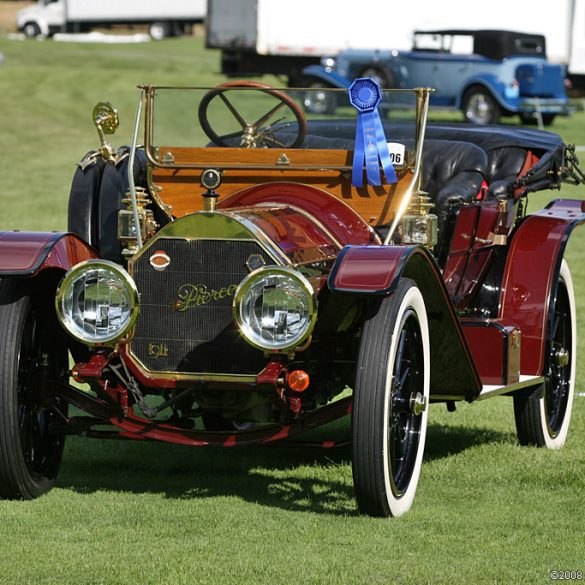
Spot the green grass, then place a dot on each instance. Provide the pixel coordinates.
(487, 511)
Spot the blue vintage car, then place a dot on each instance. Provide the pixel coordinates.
(486, 74)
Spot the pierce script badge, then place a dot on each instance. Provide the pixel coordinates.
(195, 295)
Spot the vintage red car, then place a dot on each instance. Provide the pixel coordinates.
(247, 275)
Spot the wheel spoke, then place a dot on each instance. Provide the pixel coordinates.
(268, 115)
(233, 110)
(400, 353)
(555, 324)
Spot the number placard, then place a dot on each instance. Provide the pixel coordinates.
(397, 153)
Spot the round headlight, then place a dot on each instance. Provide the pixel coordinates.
(275, 308)
(97, 302)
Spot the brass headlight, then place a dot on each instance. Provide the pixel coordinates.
(97, 302)
(275, 308)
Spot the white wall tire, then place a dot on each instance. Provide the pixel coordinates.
(390, 409)
(543, 416)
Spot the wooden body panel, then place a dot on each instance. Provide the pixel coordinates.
(178, 185)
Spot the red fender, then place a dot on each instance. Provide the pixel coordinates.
(376, 270)
(29, 253)
(345, 225)
(531, 272)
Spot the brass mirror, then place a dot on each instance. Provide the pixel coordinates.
(105, 117)
(106, 120)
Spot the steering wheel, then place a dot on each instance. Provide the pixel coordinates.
(260, 133)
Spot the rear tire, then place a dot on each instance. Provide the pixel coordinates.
(316, 101)
(480, 107)
(159, 31)
(390, 405)
(543, 416)
(30, 455)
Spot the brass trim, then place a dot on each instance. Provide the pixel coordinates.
(154, 191)
(114, 340)
(252, 279)
(422, 112)
(186, 376)
(496, 390)
(106, 121)
(259, 236)
(180, 226)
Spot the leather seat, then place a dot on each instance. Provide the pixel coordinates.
(504, 166)
(453, 172)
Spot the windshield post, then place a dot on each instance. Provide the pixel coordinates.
(131, 183)
(422, 111)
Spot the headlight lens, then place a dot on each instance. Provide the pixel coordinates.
(97, 302)
(275, 308)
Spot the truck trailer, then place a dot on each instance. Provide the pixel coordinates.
(280, 37)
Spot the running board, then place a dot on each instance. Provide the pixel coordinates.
(525, 382)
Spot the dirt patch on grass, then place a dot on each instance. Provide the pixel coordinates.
(8, 12)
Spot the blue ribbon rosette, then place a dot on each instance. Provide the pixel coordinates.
(370, 142)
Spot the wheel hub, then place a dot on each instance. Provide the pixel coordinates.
(561, 357)
(418, 403)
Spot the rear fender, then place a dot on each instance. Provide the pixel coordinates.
(507, 97)
(531, 274)
(27, 254)
(376, 270)
(330, 77)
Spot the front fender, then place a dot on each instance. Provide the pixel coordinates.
(531, 273)
(508, 98)
(26, 254)
(327, 75)
(376, 271)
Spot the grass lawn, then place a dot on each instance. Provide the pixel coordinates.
(486, 511)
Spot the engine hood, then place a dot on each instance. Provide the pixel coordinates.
(187, 276)
(289, 235)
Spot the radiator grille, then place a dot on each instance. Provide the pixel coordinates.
(185, 323)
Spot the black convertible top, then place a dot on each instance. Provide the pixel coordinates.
(556, 162)
(496, 44)
(487, 137)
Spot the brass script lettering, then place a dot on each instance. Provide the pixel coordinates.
(194, 295)
(157, 350)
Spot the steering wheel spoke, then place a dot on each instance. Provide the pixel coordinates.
(262, 133)
(233, 110)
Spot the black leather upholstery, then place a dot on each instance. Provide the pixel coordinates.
(453, 172)
(504, 166)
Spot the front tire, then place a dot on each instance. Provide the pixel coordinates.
(543, 416)
(31, 30)
(379, 73)
(30, 454)
(390, 406)
(318, 100)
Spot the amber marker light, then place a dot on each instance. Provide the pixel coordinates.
(298, 381)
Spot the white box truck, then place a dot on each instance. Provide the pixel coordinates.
(282, 37)
(278, 37)
(169, 18)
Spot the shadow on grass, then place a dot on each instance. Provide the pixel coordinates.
(447, 440)
(288, 478)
